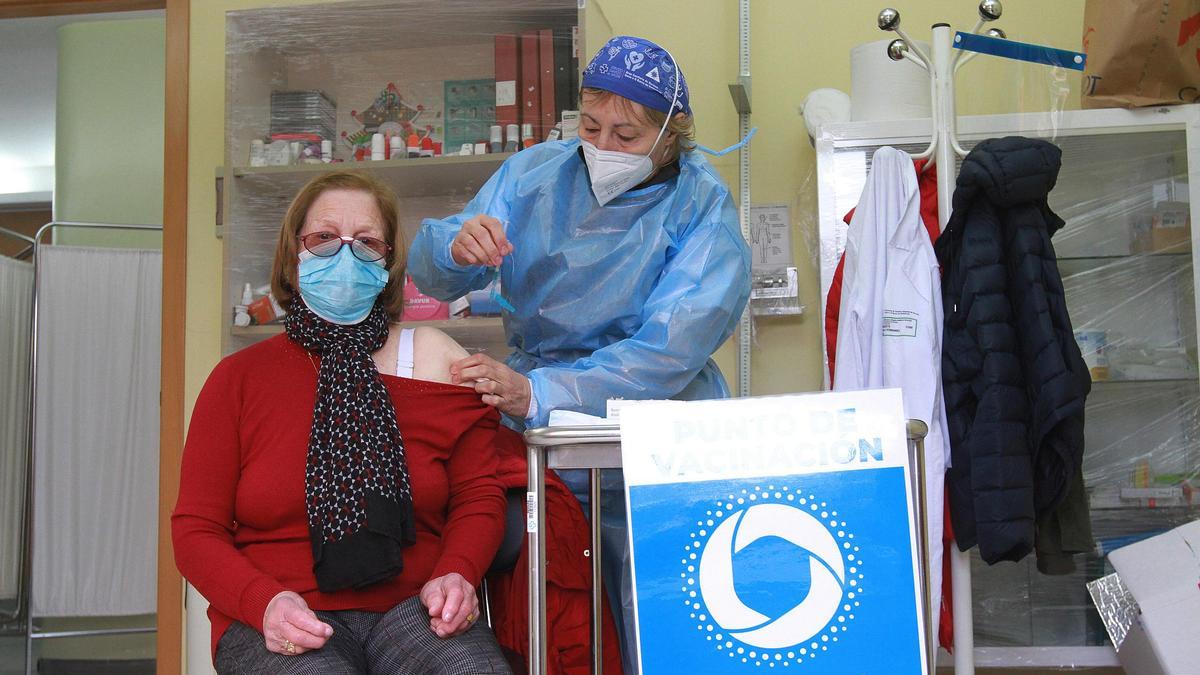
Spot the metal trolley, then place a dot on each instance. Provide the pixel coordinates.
(599, 447)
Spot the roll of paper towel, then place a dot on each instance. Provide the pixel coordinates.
(825, 106)
(883, 89)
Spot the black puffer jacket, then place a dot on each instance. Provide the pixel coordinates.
(1015, 382)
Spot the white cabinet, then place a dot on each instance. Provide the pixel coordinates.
(1127, 258)
(435, 59)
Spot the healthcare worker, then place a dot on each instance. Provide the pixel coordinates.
(620, 258)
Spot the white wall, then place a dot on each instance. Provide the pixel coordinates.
(28, 76)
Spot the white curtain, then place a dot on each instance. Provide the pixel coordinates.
(16, 295)
(96, 434)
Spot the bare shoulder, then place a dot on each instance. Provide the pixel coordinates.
(433, 353)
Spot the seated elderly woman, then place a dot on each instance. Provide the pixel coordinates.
(338, 503)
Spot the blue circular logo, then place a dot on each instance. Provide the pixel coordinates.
(722, 574)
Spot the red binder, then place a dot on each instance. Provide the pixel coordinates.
(531, 87)
(508, 95)
(566, 72)
(546, 65)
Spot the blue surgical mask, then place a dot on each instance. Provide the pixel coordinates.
(341, 288)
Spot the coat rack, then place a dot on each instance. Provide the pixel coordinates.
(942, 63)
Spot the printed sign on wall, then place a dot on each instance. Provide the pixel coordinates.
(773, 533)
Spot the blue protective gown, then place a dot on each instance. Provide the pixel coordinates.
(626, 300)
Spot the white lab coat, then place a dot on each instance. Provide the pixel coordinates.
(890, 322)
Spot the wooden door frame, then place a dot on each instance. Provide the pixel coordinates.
(170, 620)
(171, 589)
(20, 9)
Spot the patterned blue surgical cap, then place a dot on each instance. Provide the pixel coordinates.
(640, 71)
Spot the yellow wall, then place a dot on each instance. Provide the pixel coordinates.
(796, 47)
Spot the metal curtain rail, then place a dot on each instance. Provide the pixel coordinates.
(17, 235)
(28, 250)
(25, 585)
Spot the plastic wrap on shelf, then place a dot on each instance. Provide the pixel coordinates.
(396, 88)
(440, 74)
(1017, 606)
(303, 112)
(251, 235)
(1126, 258)
(1126, 262)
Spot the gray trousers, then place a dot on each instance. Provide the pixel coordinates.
(398, 642)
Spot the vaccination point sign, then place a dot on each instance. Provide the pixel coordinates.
(773, 534)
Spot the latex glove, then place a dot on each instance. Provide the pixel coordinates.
(288, 620)
(480, 241)
(501, 386)
(452, 604)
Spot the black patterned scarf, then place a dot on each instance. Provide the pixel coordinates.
(356, 482)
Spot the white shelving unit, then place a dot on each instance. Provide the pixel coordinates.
(1143, 424)
(352, 51)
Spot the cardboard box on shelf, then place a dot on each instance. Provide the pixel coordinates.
(421, 307)
(1170, 230)
(1162, 575)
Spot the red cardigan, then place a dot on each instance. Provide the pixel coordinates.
(568, 579)
(240, 528)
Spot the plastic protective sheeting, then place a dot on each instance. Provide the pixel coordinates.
(428, 78)
(1126, 257)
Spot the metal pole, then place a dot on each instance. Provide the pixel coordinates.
(945, 119)
(744, 326)
(534, 519)
(105, 632)
(16, 235)
(25, 589)
(916, 437)
(597, 586)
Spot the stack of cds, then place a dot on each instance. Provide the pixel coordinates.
(303, 112)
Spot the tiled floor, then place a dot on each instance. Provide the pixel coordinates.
(12, 655)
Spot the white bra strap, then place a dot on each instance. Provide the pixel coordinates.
(404, 353)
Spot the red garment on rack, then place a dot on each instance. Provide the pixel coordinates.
(927, 186)
(568, 578)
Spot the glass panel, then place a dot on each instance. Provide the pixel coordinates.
(1126, 262)
(338, 74)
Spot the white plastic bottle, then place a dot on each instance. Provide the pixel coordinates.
(511, 143)
(496, 144)
(377, 148)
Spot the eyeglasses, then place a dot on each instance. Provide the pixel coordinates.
(327, 244)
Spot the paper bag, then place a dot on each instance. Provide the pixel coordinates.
(1141, 53)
